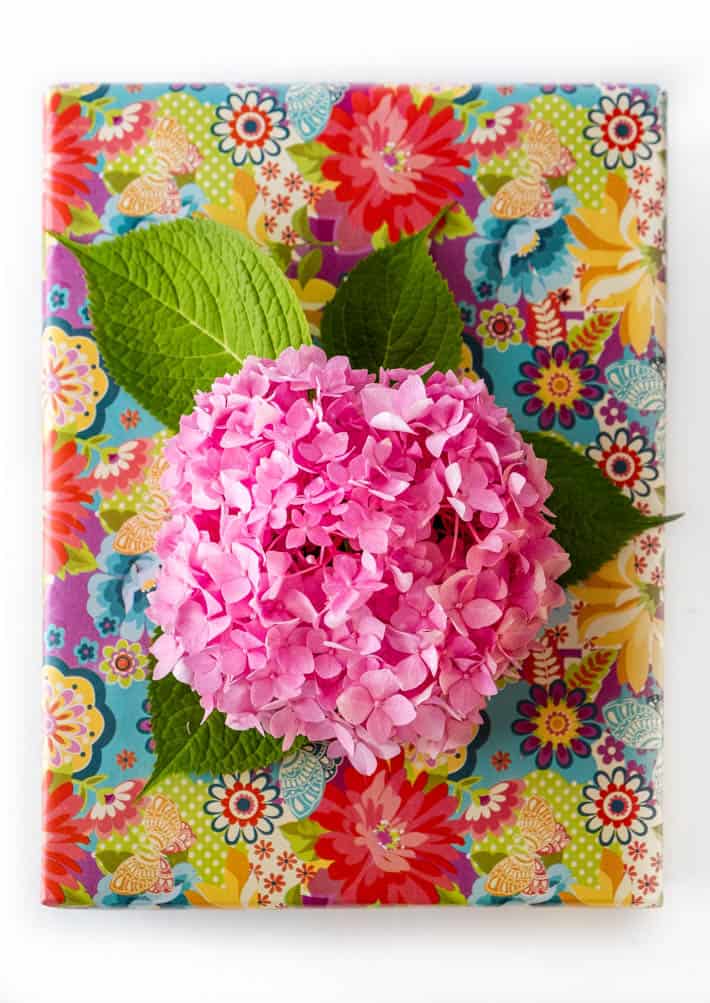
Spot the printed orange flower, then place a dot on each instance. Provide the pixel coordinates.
(620, 272)
(620, 612)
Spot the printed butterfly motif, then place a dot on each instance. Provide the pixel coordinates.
(529, 194)
(638, 383)
(309, 107)
(523, 872)
(639, 725)
(137, 535)
(148, 870)
(156, 189)
(303, 774)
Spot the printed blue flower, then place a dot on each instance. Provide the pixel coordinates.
(119, 591)
(57, 298)
(54, 636)
(86, 651)
(522, 257)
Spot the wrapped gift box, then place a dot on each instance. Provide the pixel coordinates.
(557, 799)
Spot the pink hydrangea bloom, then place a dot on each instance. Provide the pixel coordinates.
(351, 559)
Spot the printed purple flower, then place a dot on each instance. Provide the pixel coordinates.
(560, 385)
(556, 723)
(613, 411)
(611, 750)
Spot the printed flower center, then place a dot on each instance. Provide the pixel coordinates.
(243, 806)
(618, 805)
(560, 384)
(123, 663)
(623, 131)
(394, 158)
(557, 725)
(388, 838)
(500, 326)
(622, 466)
(251, 127)
(531, 245)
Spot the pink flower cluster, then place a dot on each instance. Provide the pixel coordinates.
(351, 559)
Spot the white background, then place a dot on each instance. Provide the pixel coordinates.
(374, 955)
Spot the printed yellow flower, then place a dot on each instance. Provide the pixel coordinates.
(612, 889)
(72, 722)
(620, 273)
(244, 213)
(620, 612)
(313, 297)
(466, 363)
(229, 894)
(73, 382)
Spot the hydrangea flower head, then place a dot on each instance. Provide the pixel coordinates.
(351, 558)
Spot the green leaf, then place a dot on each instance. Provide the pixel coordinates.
(592, 333)
(80, 560)
(489, 184)
(116, 181)
(299, 222)
(591, 671)
(485, 862)
(113, 518)
(455, 222)
(293, 895)
(281, 255)
(303, 836)
(395, 310)
(451, 896)
(309, 266)
(185, 743)
(176, 305)
(381, 238)
(593, 519)
(308, 158)
(77, 897)
(83, 220)
(108, 860)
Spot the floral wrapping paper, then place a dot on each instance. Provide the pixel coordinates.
(564, 320)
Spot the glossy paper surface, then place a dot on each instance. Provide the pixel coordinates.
(563, 306)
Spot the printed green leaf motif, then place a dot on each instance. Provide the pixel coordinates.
(281, 254)
(489, 184)
(593, 519)
(484, 862)
(395, 310)
(83, 220)
(309, 266)
(300, 224)
(303, 836)
(455, 222)
(108, 860)
(451, 896)
(80, 559)
(591, 671)
(176, 305)
(116, 181)
(293, 895)
(308, 158)
(185, 743)
(592, 333)
(78, 897)
(113, 518)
